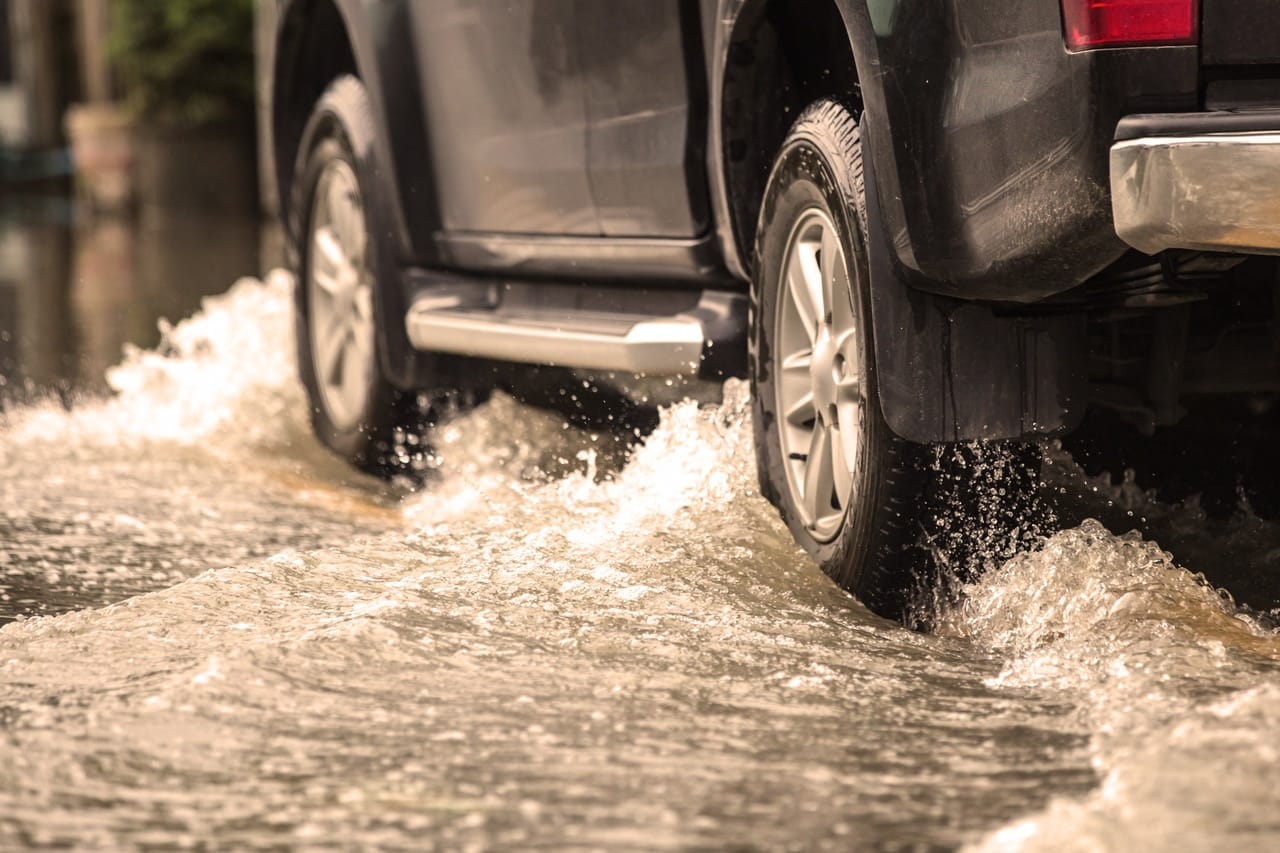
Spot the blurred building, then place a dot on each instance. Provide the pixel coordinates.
(266, 19)
(15, 111)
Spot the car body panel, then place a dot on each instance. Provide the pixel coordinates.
(539, 119)
(990, 140)
(504, 95)
(376, 33)
(646, 143)
(1240, 32)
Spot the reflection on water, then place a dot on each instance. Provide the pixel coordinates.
(37, 339)
(74, 292)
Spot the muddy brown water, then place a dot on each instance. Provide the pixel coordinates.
(217, 636)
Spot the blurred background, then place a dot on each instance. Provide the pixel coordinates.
(129, 185)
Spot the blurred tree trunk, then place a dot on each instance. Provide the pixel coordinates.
(265, 22)
(39, 27)
(93, 27)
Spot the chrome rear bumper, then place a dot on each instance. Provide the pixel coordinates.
(1211, 191)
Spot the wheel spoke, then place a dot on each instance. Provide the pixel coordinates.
(798, 361)
(362, 304)
(329, 252)
(363, 331)
(807, 251)
(327, 283)
(829, 255)
(802, 411)
(336, 325)
(336, 203)
(842, 477)
(846, 333)
(849, 390)
(359, 236)
(331, 352)
(799, 284)
(844, 323)
(817, 476)
(353, 228)
(353, 379)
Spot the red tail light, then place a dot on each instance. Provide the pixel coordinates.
(1117, 23)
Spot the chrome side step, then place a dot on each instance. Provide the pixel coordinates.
(624, 342)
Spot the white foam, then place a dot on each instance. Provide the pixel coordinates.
(1176, 690)
(226, 374)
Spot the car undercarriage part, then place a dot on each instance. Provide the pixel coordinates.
(1181, 325)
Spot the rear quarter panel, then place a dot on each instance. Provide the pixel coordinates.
(991, 140)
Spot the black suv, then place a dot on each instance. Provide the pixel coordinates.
(909, 222)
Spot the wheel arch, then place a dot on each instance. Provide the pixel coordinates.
(316, 42)
(946, 374)
(773, 59)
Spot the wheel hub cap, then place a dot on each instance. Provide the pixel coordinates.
(340, 296)
(817, 365)
(822, 373)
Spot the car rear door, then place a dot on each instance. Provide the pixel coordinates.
(646, 112)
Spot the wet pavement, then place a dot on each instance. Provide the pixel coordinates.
(219, 636)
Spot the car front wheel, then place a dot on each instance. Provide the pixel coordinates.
(355, 410)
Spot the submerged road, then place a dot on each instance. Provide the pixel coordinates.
(217, 635)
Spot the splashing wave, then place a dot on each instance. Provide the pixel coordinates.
(1176, 687)
(224, 376)
(545, 649)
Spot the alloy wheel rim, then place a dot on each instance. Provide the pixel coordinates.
(340, 296)
(818, 367)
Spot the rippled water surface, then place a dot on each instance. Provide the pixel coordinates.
(218, 635)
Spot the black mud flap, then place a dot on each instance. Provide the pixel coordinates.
(950, 370)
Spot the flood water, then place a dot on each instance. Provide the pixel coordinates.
(217, 635)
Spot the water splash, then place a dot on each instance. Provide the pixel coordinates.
(225, 376)
(201, 457)
(1174, 684)
(550, 648)
(1235, 552)
(982, 508)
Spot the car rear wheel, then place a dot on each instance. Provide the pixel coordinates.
(848, 489)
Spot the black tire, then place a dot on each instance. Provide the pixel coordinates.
(342, 130)
(875, 553)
